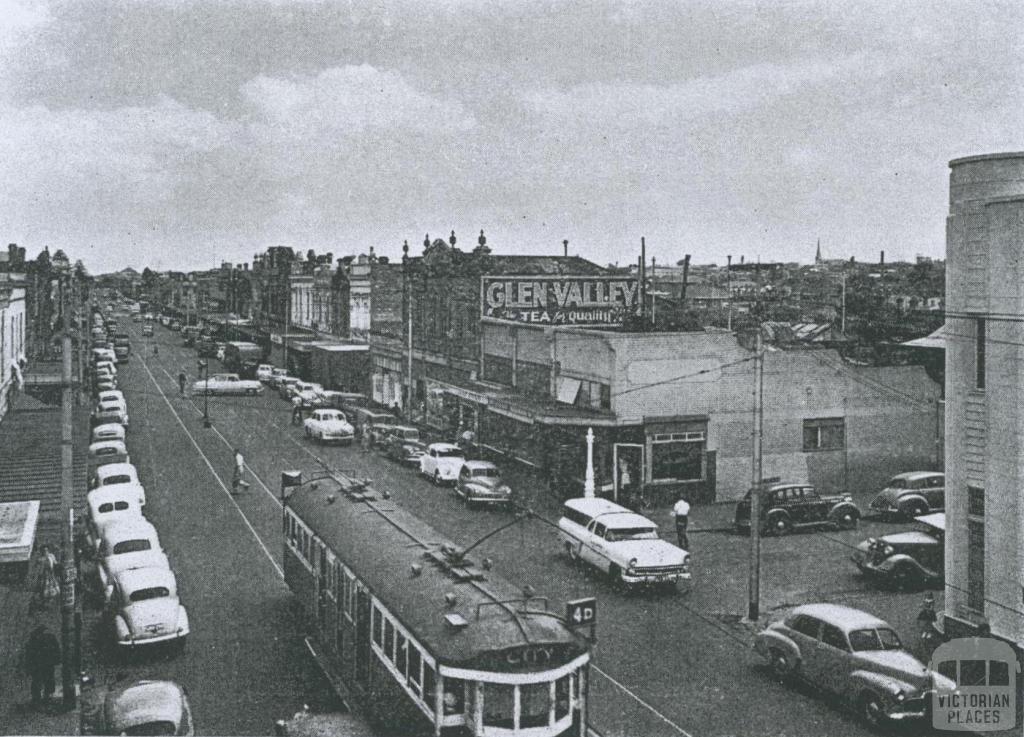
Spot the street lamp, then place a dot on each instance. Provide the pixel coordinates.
(204, 367)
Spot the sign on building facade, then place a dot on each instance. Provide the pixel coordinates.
(559, 300)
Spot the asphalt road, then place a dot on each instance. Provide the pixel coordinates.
(666, 663)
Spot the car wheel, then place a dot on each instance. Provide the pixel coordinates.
(779, 525)
(904, 577)
(917, 509)
(847, 519)
(871, 710)
(780, 664)
(437, 478)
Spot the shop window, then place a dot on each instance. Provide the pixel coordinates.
(678, 456)
(499, 705)
(534, 705)
(824, 434)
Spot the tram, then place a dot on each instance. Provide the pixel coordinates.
(421, 639)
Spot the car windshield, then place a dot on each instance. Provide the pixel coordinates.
(631, 533)
(121, 478)
(153, 592)
(332, 416)
(132, 546)
(410, 434)
(898, 484)
(150, 728)
(882, 638)
(112, 507)
(449, 453)
(488, 472)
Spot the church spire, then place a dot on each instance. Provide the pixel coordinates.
(817, 254)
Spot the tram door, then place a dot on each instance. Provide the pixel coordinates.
(362, 636)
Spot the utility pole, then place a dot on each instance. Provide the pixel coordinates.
(686, 278)
(407, 282)
(642, 276)
(754, 592)
(68, 572)
(728, 287)
(287, 318)
(842, 324)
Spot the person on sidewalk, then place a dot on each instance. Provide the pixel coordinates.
(47, 585)
(681, 512)
(296, 410)
(41, 656)
(237, 482)
(181, 383)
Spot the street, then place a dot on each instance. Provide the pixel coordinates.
(666, 663)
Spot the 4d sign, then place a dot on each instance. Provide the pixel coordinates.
(559, 300)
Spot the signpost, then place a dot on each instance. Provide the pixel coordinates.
(582, 613)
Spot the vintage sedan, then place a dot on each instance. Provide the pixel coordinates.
(263, 372)
(105, 452)
(309, 392)
(110, 431)
(142, 707)
(111, 408)
(275, 375)
(227, 384)
(785, 507)
(118, 474)
(912, 494)
(442, 462)
(147, 330)
(480, 482)
(284, 385)
(144, 608)
(620, 543)
(110, 394)
(912, 558)
(328, 426)
(107, 505)
(854, 655)
(403, 444)
(128, 543)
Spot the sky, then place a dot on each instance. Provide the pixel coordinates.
(177, 135)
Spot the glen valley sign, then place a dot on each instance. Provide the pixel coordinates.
(559, 300)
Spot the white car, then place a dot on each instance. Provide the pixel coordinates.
(105, 452)
(129, 543)
(227, 384)
(329, 426)
(623, 544)
(263, 372)
(442, 462)
(140, 707)
(106, 505)
(104, 354)
(144, 606)
(117, 406)
(275, 375)
(109, 431)
(109, 394)
(117, 474)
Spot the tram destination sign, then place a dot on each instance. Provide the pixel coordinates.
(559, 300)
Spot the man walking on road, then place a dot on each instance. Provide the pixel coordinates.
(681, 511)
(237, 482)
(296, 410)
(41, 656)
(181, 383)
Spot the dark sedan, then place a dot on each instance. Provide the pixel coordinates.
(912, 558)
(403, 444)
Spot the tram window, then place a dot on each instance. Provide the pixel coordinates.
(563, 687)
(414, 669)
(389, 640)
(454, 696)
(401, 652)
(428, 682)
(351, 600)
(499, 705)
(377, 627)
(947, 668)
(998, 673)
(534, 704)
(972, 672)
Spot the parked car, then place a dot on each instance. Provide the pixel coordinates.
(144, 608)
(105, 452)
(328, 426)
(785, 507)
(854, 655)
(128, 543)
(110, 394)
(111, 431)
(309, 392)
(263, 372)
(147, 330)
(107, 505)
(109, 413)
(105, 383)
(912, 494)
(275, 376)
(403, 444)
(377, 435)
(442, 462)
(480, 482)
(284, 385)
(621, 543)
(906, 559)
(111, 405)
(365, 418)
(343, 400)
(227, 384)
(117, 474)
(141, 708)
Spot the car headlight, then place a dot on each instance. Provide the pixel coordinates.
(888, 550)
(901, 696)
(504, 489)
(632, 563)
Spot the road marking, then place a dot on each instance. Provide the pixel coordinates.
(209, 465)
(643, 703)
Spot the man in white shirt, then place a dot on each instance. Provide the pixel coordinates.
(681, 511)
(237, 483)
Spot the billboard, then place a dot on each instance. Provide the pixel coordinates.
(559, 300)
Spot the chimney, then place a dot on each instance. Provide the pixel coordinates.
(881, 259)
(565, 247)
(451, 239)
(481, 248)
(741, 260)
(329, 256)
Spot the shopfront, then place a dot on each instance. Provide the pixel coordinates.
(387, 388)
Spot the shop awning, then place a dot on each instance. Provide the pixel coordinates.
(568, 389)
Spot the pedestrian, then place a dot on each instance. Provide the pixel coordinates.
(681, 512)
(41, 656)
(926, 619)
(237, 482)
(47, 585)
(296, 410)
(181, 383)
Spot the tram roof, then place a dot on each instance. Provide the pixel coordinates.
(381, 542)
